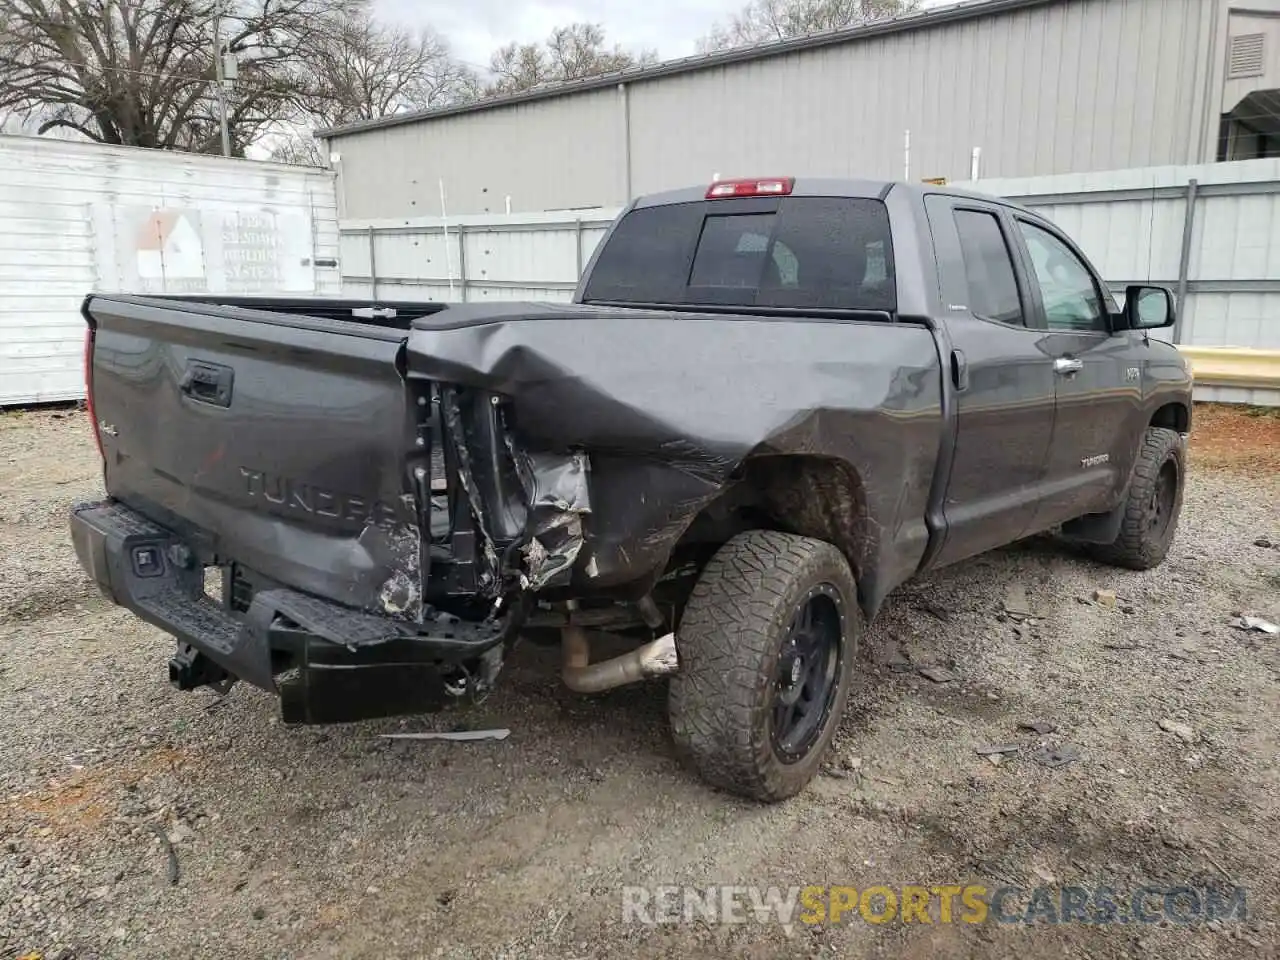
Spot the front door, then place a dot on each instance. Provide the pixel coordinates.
(1002, 378)
(1097, 379)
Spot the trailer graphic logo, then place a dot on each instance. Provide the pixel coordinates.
(170, 253)
(251, 250)
(162, 250)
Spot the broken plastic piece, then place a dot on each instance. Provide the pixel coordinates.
(456, 735)
(937, 674)
(1041, 727)
(1056, 756)
(1255, 624)
(987, 749)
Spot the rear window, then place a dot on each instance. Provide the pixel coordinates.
(819, 252)
(988, 265)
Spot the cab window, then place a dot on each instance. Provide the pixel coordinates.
(1071, 298)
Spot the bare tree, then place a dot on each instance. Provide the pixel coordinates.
(764, 20)
(141, 72)
(570, 53)
(364, 70)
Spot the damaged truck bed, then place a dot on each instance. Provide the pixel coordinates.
(770, 403)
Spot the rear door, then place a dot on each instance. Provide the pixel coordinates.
(1097, 378)
(1002, 377)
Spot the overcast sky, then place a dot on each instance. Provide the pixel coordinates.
(476, 27)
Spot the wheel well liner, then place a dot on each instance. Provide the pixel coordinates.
(807, 495)
(1172, 416)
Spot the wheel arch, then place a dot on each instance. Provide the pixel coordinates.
(808, 495)
(1175, 415)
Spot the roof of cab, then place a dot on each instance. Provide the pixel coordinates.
(832, 187)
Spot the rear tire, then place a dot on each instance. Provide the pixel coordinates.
(1153, 504)
(767, 647)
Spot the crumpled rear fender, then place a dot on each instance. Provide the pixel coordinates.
(669, 407)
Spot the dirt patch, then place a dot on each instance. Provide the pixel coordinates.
(330, 842)
(1236, 438)
(79, 805)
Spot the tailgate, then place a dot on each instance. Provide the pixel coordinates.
(280, 443)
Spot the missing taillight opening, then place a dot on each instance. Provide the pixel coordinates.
(88, 390)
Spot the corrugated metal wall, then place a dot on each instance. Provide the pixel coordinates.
(550, 155)
(76, 217)
(1066, 86)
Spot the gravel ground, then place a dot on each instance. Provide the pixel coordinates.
(328, 842)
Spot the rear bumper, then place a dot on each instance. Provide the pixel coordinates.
(334, 663)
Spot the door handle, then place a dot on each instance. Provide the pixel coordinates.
(207, 383)
(1067, 366)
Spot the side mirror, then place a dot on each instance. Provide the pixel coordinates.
(1146, 308)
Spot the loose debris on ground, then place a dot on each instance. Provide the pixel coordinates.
(1255, 623)
(1180, 730)
(458, 736)
(1106, 598)
(332, 842)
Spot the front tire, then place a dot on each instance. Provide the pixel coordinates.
(1153, 505)
(767, 645)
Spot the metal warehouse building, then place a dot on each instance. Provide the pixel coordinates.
(1038, 86)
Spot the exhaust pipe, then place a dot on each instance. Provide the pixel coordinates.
(657, 658)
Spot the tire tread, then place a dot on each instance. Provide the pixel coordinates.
(1135, 547)
(728, 637)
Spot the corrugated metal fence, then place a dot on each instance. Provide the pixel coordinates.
(1211, 232)
(472, 258)
(77, 217)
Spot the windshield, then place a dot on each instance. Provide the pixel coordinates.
(817, 252)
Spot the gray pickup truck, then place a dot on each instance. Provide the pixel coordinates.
(770, 403)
